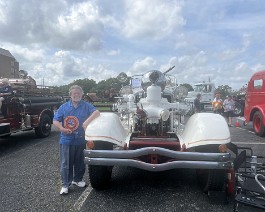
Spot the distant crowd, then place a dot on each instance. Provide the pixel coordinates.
(225, 107)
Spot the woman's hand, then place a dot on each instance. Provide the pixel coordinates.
(66, 131)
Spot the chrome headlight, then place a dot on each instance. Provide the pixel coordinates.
(164, 115)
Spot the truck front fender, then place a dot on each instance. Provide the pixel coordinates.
(107, 127)
(205, 128)
(260, 108)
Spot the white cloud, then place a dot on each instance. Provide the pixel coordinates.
(151, 19)
(34, 54)
(142, 66)
(65, 40)
(114, 52)
(80, 27)
(3, 18)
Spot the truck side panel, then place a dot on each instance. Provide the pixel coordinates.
(255, 97)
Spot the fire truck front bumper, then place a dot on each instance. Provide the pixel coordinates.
(175, 160)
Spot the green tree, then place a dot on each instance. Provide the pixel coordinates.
(88, 85)
(23, 74)
(63, 89)
(188, 86)
(111, 85)
(224, 90)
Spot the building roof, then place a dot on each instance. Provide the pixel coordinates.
(6, 53)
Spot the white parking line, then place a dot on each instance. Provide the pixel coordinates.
(253, 143)
(245, 130)
(79, 203)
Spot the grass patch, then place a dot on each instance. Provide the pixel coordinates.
(104, 109)
(103, 106)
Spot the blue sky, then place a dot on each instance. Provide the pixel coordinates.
(62, 41)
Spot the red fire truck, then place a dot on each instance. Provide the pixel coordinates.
(28, 108)
(255, 103)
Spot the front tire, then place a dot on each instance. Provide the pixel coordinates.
(210, 179)
(100, 176)
(44, 129)
(239, 111)
(258, 124)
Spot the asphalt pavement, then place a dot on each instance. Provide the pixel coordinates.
(30, 181)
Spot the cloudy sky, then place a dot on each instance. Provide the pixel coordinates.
(64, 40)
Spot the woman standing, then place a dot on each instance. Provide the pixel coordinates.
(217, 104)
(229, 106)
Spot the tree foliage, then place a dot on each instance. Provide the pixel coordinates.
(188, 86)
(87, 84)
(23, 74)
(110, 86)
(113, 85)
(224, 90)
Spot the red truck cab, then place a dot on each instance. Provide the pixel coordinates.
(255, 103)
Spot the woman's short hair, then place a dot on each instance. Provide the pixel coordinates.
(75, 87)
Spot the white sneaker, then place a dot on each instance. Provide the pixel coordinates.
(64, 190)
(80, 184)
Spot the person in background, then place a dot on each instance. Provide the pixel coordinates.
(197, 103)
(229, 106)
(72, 119)
(5, 90)
(217, 104)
